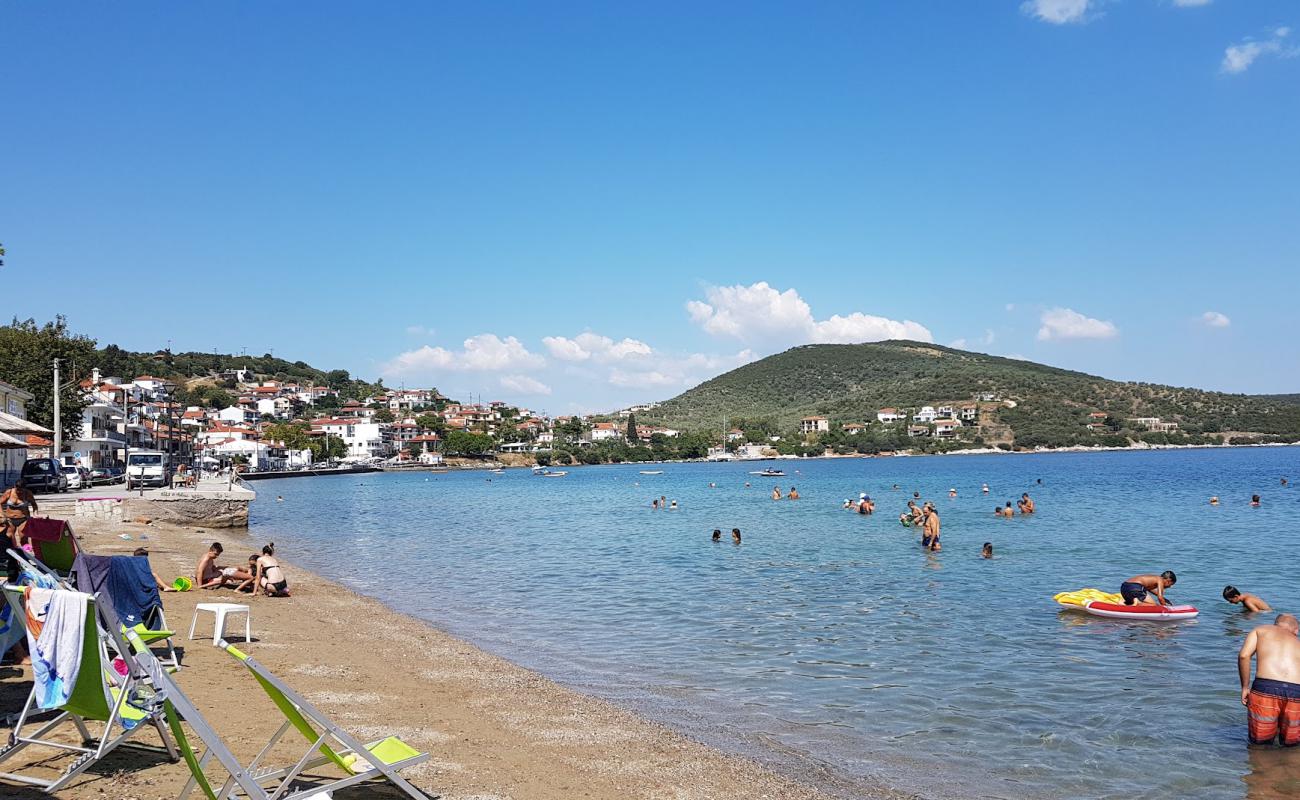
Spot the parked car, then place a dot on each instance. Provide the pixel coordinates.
(44, 475)
(102, 475)
(74, 477)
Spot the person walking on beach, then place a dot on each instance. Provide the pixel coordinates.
(930, 529)
(1248, 602)
(1138, 589)
(1273, 699)
(17, 504)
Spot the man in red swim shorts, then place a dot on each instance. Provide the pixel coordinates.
(1273, 699)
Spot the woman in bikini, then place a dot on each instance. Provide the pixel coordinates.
(270, 577)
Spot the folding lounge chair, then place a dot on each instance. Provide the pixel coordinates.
(124, 705)
(53, 542)
(152, 629)
(328, 744)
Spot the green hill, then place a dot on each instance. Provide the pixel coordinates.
(850, 383)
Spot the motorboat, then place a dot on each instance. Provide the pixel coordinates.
(769, 473)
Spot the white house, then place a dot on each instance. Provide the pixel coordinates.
(926, 414)
(946, 428)
(364, 439)
(970, 413)
(602, 431)
(853, 428)
(237, 414)
(102, 436)
(814, 425)
(946, 411)
(888, 415)
(735, 435)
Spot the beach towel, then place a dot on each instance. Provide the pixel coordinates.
(56, 625)
(43, 529)
(126, 581)
(11, 625)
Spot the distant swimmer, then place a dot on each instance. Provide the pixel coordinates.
(1284, 481)
(1138, 589)
(1007, 511)
(985, 488)
(654, 504)
(663, 501)
(849, 504)
(1026, 504)
(930, 528)
(997, 511)
(987, 552)
(1040, 481)
(916, 495)
(952, 492)
(279, 498)
(717, 535)
(793, 495)
(713, 485)
(1248, 602)
(1273, 699)
(895, 487)
(908, 517)
(1254, 501)
(735, 535)
(672, 506)
(746, 484)
(918, 512)
(776, 492)
(1214, 501)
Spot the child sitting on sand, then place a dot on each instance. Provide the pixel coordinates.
(270, 577)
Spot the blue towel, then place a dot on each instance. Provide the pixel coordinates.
(127, 581)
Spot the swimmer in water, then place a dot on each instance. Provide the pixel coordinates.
(712, 485)
(776, 492)
(717, 535)
(930, 528)
(865, 505)
(985, 488)
(279, 498)
(735, 535)
(895, 487)
(1026, 505)
(673, 506)
(1248, 602)
(987, 552)
(952, 492)
(1214, 501)
(916, 495)
(1254, 501)
(793, 495)
(1007, 511)
(848, 503)
(747, 484)
(654, 504)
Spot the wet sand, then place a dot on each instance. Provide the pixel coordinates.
(493, 729)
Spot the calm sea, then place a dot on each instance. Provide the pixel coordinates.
(828, 644)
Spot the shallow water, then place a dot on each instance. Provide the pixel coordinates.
(828, 643)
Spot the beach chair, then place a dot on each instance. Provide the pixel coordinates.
(106, 708)
(53, 543)
(151, 630)
(328, 744)
(151, 625)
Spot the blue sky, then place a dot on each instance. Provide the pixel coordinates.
(582, 205)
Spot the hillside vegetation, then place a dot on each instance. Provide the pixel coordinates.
(850, 383)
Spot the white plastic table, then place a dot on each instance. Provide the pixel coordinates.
(220, 611)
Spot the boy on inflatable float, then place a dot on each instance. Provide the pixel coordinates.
(1137, 589)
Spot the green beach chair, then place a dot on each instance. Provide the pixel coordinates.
(106, 708)
(160, 633)
(328, 744)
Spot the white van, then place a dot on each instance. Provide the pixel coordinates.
(147, 468)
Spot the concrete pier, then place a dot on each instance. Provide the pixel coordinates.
(210, 504)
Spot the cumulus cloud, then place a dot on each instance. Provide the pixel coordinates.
(523, 384)
(1237, 58)
(1066, 323)
(1057, 12)
(485, 352)
(589, 346)
(1215, 319)
(680, 372)
(761, 312)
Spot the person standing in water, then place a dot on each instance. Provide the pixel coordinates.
(776, 492)
(793, 495)
(717, 535)
(930, 528)
(1026, 504)
(1248, 602)
(735, 535)
(1272, 700)
(987, 552)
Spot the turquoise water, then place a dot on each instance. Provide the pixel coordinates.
(828, 643)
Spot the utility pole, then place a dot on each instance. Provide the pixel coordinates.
(58, 423)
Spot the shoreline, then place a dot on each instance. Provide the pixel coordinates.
(494, 729)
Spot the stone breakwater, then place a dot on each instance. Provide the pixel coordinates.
(208, 509)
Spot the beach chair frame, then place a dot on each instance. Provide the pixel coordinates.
(328, 743)
(173, 660)
(93, 747)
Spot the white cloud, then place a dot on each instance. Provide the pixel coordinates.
(761, 312)
(418, 330)
(984, 341)
(485, 352)
(642, 379)
(1237, 58)
(1066, 323)
(959, 344)
(1057, 12)
(1215, 319)
(591, 346)
(524, 385)
(679, 372)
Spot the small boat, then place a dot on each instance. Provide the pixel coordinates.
(557, 474)
(769, 473)
(1143, 612)
(652, 472)
(498, 471)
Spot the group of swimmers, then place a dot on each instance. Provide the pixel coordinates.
(793, 495)
(735, 535)
(263, 573)
(662, 502)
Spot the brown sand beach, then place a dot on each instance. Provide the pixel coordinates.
(494, 729)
